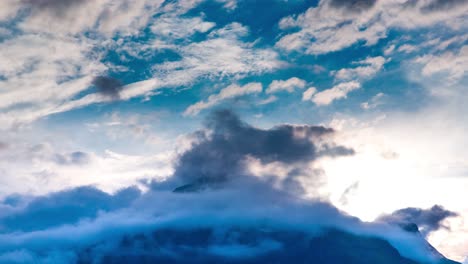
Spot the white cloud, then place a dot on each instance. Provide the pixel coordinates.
(327, 28)
(231, 91)
(45, 167)
(222, 54)
(288, 85)
(373, 102)
(369, 67)
(268, 100)
(103, 16)
(389, 50)
(453, 63)
(338, 91)
(407, 48)
(171, 26)
(307, 95)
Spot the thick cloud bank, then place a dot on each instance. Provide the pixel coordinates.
(214, 209)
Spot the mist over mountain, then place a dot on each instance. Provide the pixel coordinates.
(213, 209)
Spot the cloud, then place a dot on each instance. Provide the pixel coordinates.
(367, 69)
(374, 102)
(220, 155)
(334, 25)
(307, 95)
(58, 7)
(232, 91)
(74, 158)
(338, 91)
(454, 63)
(288, 85)
(440, 5)
(349, 191)
(77, 16)
(353, 5)
(29, 167)
(54, 70)
(65, 207)
(108, 86)
(169, 26)
(428, 220)
(222, 54)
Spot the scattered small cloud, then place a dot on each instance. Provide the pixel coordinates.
(338, 91)
(229, 92)
(288, 85)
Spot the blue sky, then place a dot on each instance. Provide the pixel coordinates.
(107, 93)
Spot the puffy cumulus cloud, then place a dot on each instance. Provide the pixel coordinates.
(232, 91)
(417, 219)
(245, 220)
(334, 25)
(288, 85)
(327, 96)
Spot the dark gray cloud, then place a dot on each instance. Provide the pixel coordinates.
(353, 5)
(426, 220)
(220, 155)
(108, 86)
(442, 5)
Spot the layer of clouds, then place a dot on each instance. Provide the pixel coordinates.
(47, 167)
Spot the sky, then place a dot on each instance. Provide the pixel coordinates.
(359, 104)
